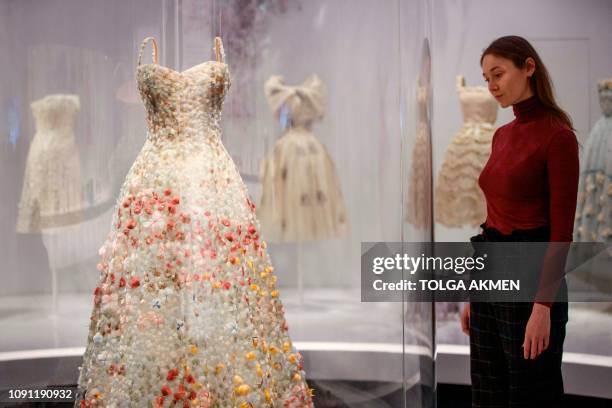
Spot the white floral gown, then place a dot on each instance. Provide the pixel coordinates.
(186, 312)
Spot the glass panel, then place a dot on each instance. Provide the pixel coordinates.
(573, 42)
(314, 123)
(327, 120)
(73, 125)
(417, 99)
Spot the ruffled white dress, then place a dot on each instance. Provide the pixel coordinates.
(458, 198)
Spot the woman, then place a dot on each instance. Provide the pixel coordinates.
(530, 183)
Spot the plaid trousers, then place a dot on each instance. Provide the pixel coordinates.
(501, 376)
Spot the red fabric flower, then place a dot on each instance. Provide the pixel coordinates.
(172, 374)
(180, 394)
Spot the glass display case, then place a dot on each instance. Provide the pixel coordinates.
(325, 104)
(572, 40)
(341, 121)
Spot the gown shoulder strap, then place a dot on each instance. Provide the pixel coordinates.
(219, 52)
(142, 47)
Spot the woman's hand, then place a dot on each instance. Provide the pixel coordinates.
(465, 319)
(537, 332)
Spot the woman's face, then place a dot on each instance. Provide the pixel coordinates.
(507, 83)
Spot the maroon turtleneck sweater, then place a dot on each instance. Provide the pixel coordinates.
(531, 180)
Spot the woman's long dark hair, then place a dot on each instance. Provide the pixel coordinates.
(517, 49)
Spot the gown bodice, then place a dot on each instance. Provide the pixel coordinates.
(183, 105)
(56, 113)
(477, 103)
(305, 102)
(184, 147)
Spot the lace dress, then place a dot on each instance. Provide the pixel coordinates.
(186, 312)
(458, 198)
(52, 194)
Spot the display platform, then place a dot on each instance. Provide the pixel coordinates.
(327, 328)
(39, 349)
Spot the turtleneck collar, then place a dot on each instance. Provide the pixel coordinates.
(528, 109)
